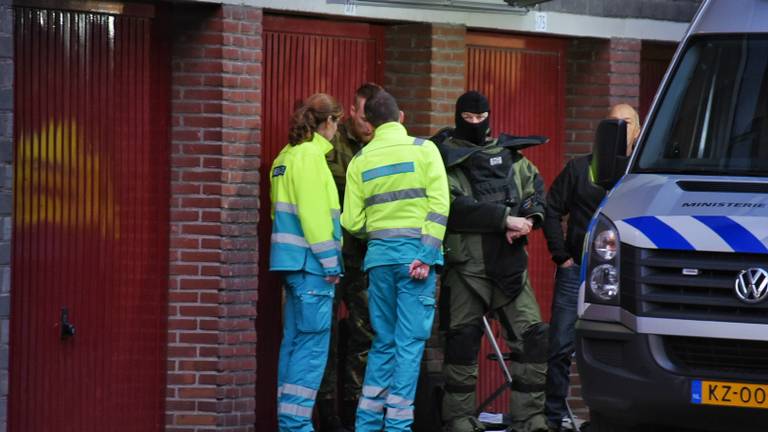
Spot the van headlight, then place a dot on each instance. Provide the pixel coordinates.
(606, 244)
(603, 271)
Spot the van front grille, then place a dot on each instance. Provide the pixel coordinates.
(706, 356)
(688, 284)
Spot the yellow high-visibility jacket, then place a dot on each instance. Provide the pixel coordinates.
(397, 197)
(306, 234)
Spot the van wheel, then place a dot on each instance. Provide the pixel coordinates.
(600, 423)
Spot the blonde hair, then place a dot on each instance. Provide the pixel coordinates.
(310, 115)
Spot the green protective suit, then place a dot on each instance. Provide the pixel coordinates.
(353, 291)
(486, 274)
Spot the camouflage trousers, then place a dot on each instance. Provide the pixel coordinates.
(353, 291)
(464, 300)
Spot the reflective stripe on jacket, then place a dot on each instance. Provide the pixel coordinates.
(397, 198)
(306, 233)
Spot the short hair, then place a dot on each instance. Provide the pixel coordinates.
(381, 108)
(368, 90)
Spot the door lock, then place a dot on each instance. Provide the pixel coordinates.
(67, 328)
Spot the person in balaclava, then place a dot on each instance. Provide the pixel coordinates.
(497, 198)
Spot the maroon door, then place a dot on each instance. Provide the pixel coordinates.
(524, 80)
(90, 235)
(655, 59)
(301, 57)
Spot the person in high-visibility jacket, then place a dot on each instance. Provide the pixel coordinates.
(306, 249)
(397, 198)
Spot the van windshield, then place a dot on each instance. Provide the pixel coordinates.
(713, 117)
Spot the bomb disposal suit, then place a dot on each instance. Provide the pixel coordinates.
(673, 311)
(485, 273)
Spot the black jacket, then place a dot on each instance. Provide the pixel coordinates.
(573, 194)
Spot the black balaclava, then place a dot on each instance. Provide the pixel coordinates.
(473, 102)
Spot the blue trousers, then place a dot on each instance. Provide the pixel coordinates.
(304, 349)
(402, 310)
(561, 341)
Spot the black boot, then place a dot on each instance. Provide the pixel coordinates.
(348, 411)
(329, 421)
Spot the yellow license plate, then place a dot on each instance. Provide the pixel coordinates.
(729, 394)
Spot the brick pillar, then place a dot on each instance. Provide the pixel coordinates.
(216, 82)
(425, 71)
(6, 194)
(601, 73)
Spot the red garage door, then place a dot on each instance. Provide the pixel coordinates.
(90, 235)
(524, 79)
(301, 57)
(655, 59)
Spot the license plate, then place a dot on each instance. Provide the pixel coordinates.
(729, 394)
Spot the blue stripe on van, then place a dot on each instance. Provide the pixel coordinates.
(734, 234)
(661, 234)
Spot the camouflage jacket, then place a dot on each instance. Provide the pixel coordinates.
(344, 149)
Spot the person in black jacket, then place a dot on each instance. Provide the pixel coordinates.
(572, 194)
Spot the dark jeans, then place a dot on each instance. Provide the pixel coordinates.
(561, 341)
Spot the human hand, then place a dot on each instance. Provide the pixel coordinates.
(523, 225)
(418, 270)
(512, 235)
(333, 280)
(567, 264)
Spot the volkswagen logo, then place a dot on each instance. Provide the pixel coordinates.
(752, 285)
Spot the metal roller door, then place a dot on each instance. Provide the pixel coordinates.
(90, 234)
(301, 57)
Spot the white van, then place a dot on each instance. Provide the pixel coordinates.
(673, 309)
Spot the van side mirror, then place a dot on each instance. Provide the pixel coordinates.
(609, 152)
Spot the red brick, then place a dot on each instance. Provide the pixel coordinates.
(195, 419)
(182, 297)
(200, 202)
(200, 256)
(179, 405)
(211, 163)
(202, 121)
(197, 119)
(184, 269)
(211, 216)
(182, 324)
(178, 189)
(210, 271)
(184, 215)
(197, 393)
(185, 243)
(210, 243)
(199, 338)
(198, 284)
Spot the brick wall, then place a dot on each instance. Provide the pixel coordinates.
(601, 73)
(425, 71)
(6, 196)
(216, 81)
